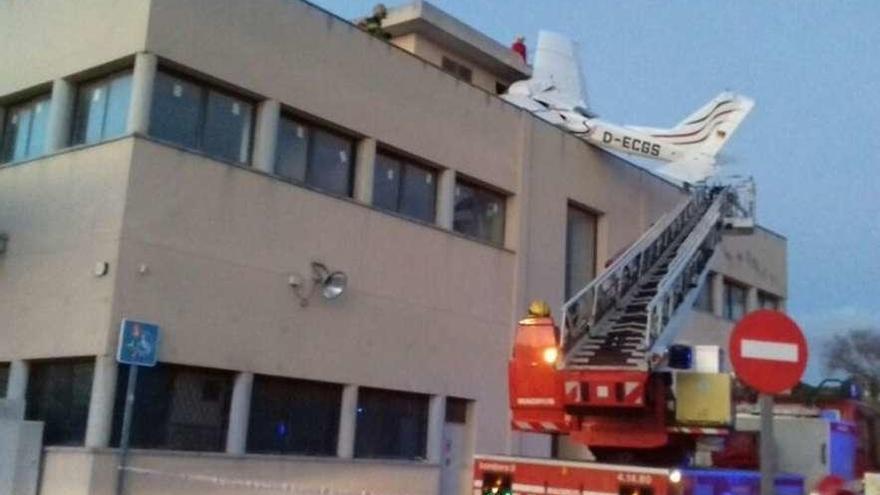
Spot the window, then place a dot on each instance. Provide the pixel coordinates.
(404, 187)
(4, 378)
(456, 410)
(176, 407)
(704, 298)
(58, 393)
(294, 416)
(767, 301)
(391, 424)
(580, 249)
(24, 130)
(201, 118)
(479, 212)
(314, 156)
(459, 71)
(101, 109)
(734, 301)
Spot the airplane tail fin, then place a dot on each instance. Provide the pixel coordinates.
(708, 129)
(556, 79)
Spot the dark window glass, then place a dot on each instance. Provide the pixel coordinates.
(479, 212)
(291, 153)
(24, 130)
(176, 112)
(176, 407)
(203, 119)
(386, 182)
(58, 393)
(330, 157)
(704, 298)
(404, 187)
(768, 301)
(227, 128)
(4, 378)
(734, 301)
(458, 70)
(102, 109)
(391, 424)
(294, 416)
(580, 250)
(456, 410)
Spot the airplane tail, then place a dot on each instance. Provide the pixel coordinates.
(708, 129)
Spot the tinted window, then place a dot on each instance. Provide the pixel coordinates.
(227, 128)
(4, 378)
(294, 416)
(24, 130)
(734, 301)
(200, 118)
(404, 187)
(291, 153)
(329, 167)
(704, 298)
(58, 393)
(768, 301)
(580, 250)
(479, 212)
(391, 424)
(176, 408)
(456, 410)
(386, 182)
(176, 110)
(102, 109)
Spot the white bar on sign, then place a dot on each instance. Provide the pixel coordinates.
(771, 351)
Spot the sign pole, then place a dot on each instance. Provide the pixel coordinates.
(126, 428)
(767, 450)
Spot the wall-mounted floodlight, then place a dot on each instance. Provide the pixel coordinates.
(4, 241)
(331, 283)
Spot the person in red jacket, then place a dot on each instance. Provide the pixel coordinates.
(519, 46)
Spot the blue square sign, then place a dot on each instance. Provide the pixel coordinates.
(138, 343)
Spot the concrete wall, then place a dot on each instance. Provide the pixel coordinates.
(434, 53)
(72, 471)
(758, 260)
(63, 215)
(46, 39)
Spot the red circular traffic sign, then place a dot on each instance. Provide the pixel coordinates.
(768, 351)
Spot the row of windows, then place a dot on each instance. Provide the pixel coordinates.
(187, 408)
(734, 299)
(220, 125)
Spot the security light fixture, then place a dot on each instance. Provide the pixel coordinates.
(331, 283)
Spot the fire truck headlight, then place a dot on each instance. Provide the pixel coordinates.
(675, 476)
(550, 355)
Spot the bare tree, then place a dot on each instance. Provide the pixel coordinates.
(857, 354)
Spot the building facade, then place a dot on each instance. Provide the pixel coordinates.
(187, 163)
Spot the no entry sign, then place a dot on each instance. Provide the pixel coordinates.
(768, 351)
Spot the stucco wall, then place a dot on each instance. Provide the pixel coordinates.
(63, 215)
(73, 471)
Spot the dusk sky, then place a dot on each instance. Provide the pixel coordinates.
(812, 143)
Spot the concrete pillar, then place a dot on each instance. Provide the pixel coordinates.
(347, 422)
(142, 79)
(60, 114)
(266, 135)
(239, 413)
(100, 421)
(436, 419)
(446, 199)
(751, 299)
(717, 295)
(363, 172)
(16, 387)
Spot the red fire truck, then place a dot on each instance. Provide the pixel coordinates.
(499, 475)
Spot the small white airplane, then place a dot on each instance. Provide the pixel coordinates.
(556, 94)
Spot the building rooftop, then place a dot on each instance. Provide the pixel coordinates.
(425, 19)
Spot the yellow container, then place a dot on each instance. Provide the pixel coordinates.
(703, 399)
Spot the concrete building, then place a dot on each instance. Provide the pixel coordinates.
(181, 162)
